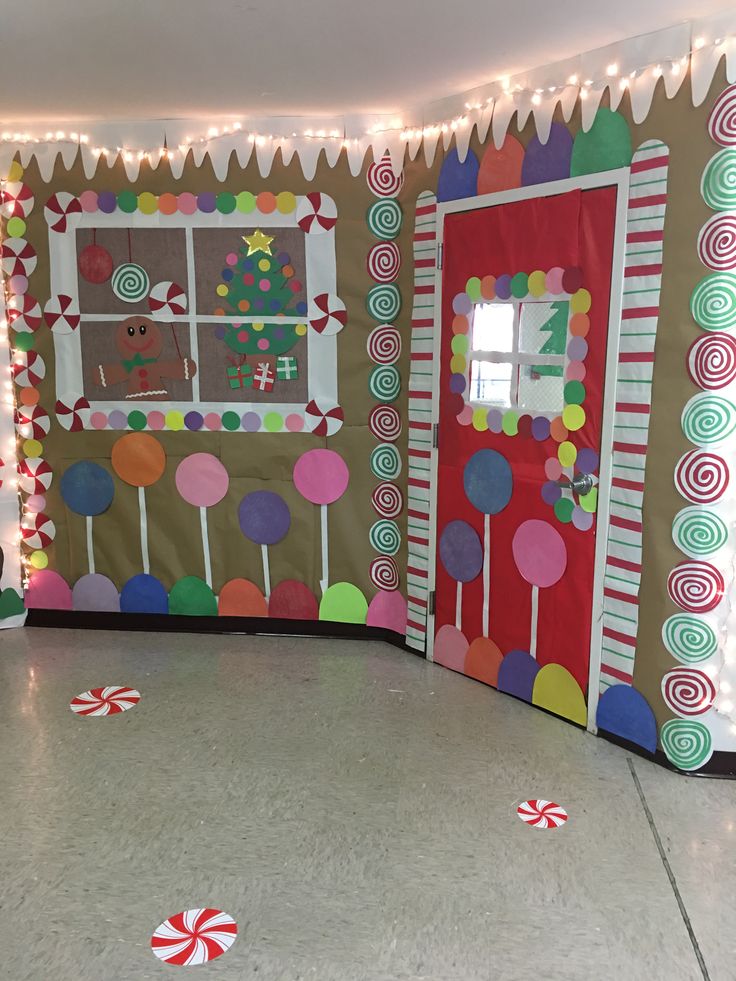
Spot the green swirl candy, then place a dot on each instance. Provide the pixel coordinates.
(384, 218)
(688, 744)
(384, 302)
(130, 282)
(708, 419)
(385, 462)
(718, 186)
(698, 532)
(385, 537)
(384, 382)
(689, 638)
(713, 302)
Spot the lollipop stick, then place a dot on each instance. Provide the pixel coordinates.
(90, 546)
(459, 605)
(266, 571)
(486, 571)
(325, 581)
(206, 547)
(144, 530)
(535, 620)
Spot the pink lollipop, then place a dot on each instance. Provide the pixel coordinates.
(541, 557)
(203, 482)
(321, 476)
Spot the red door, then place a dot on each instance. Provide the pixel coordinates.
(526, 289)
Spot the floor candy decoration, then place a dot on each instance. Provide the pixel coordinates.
(194, 936)
(543, 814)
(105, 701)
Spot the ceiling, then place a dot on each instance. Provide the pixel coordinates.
(153, 59)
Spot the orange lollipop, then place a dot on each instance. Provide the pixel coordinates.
(140, 461)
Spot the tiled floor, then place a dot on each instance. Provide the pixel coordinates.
(352, 806)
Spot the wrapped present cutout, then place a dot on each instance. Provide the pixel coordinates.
(264, 377)
(240, 376)
(287, 369)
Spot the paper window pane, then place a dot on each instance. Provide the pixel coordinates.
(541, 388)
(543, 328)
(493, 327)
(490, 382)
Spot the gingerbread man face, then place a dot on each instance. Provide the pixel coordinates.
(139, 335)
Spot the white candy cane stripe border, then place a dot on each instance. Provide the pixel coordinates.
(640, 318)
(420, 419)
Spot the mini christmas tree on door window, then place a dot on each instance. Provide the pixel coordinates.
(258, 284)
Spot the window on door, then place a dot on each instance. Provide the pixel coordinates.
(517, 357)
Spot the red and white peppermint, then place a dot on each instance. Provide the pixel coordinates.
(384, 423)
(384, 262)
(542, 814)
(194, 937)
(73, 412)
(37, 530)
(24, 313)
(722, 120)
(61, 314)
(322, 419)
(384, 344)
(167, 299)
(382, 180)
(327, 314)
(316, 213)
(29, 369)
(264, 377)
(34, 475)
(32, 422)
(16, 200)
(387, 500)
(59, 208)
(384, 573)
(105, 701)
(17, 257)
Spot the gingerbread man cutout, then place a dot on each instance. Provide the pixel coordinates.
(139, 343)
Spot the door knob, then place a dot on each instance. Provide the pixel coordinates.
(581, 484)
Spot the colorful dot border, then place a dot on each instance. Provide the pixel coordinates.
(174, 420)
(187, 203)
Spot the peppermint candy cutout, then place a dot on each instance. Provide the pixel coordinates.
(37, 530)
(17, 257)
(32, 422)
(689, 638)
(702, 477)
(61, 314)
(73, 412)
(384, 573)
(194, 937)
(711, 361)
(717, 242)
(328, 314)
(323, 420)
(383, 301)
(708, 420)
(385, 537)
(384, 423)
(384, 382)
(105, 701)
(16, 201)
(59, 209)
(130, 282)
(384, 344)
(687, 744)
(696, 587)
(713, 301)
(29, 369)
(384, 262)
(167, 299)
(385, 462)
(316, 213)
(542, 814)
(384, 218)
(382, 180)
(387, 500)
(34, 475)
(688, 691)
(722, 120)
(24, 313)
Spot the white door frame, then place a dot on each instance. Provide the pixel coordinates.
(611, 178)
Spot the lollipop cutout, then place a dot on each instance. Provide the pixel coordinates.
(461, 553)
(202, 481)
(488, 486)
(87, 489)
(265, 519)
(321, 477)
(140, 461)
(541, 558)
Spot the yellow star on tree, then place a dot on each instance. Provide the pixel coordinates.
(258, 242)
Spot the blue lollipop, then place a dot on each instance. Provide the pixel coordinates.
(488, 484)
(87, 489)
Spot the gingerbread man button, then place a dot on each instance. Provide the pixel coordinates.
(139, 344)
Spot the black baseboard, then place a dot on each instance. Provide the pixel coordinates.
(721, 765)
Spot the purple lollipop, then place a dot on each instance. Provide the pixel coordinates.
(265, 519)
(461, 553)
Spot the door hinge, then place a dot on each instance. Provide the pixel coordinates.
(432, 603)
(440, 254)
(436, 435)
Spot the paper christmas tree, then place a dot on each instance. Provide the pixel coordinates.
(258, 284)
(556, 326)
